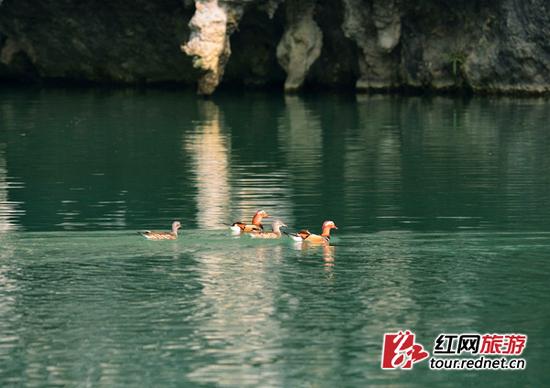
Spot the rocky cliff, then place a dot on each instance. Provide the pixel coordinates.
(482, 46)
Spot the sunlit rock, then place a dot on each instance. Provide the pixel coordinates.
(211, 26)
(487, 46)
(301, 43)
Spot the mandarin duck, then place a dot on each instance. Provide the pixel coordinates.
(153, 235)
(256, 226)
(275, 233)
(306, 236)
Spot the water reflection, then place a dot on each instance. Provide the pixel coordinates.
(128, 160)
(301, 142)
(258, 178)
(301, 139)
(373, 160)
(9, 287)
(233, 323)
(328, 255)
(218, 310)
(322, 253)
(209, 147)
(9, 210)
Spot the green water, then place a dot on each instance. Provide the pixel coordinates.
(443, 208)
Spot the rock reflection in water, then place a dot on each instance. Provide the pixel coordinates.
(209, 147)
(8, 209)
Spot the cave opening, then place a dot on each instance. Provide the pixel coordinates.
(253, 62)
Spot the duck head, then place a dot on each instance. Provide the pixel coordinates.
(327, 226)
(277, 225)
(261, 213)
(175, 226)
(257, 219)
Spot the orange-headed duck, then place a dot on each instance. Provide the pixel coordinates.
(306, 236)
(276, 233)
(256, 226)
(152, 235)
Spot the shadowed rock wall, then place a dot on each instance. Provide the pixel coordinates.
(483, 46)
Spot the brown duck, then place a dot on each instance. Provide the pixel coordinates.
(256, 226)
(275, 233)
(153, 235)
(306, 236)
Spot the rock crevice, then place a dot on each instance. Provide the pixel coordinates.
(439, 45)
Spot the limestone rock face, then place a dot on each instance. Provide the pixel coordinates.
(439, 45)
(512, 54)
(387, 20)
(375, 26)
(270, 7)
(209, 43)
(106, 42)
(301, 43)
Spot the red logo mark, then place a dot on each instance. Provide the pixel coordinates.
(509, 344)
(399, 351)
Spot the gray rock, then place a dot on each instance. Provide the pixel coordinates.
(500, 46)
(301, 43)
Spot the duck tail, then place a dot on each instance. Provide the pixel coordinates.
(294, 236)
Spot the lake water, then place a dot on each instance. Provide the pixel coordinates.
(443, 208)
